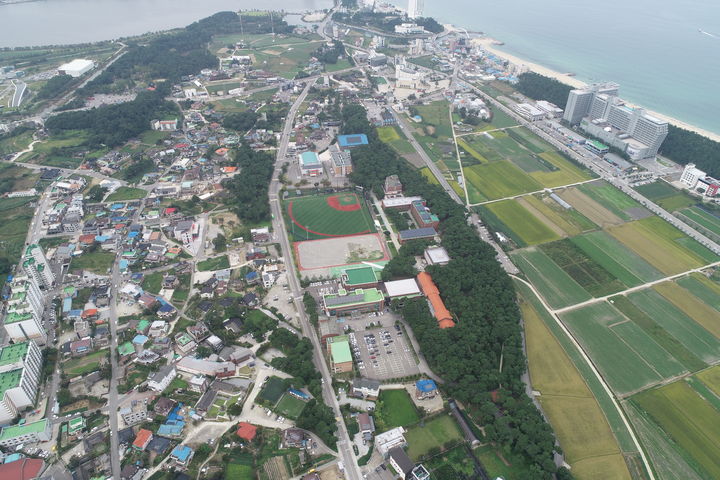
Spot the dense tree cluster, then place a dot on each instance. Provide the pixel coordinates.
(242, 121)
(54, 87)
(481, 296)
(249, 189)
(113, 125)
(402, 265)
(383, 21)
(298, 362)
(330, 55)
(173, 55)
(683, 146)
(540, 87)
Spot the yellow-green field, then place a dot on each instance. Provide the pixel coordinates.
(711, 378)
(579, 423)
(530, 229)
(693, 307)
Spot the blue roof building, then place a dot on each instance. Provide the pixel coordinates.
(425, 389)
(349, 141)
(182, 454)
(140, 339)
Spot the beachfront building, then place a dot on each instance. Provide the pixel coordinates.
(579, 100)
(20, 366)
(415, 8)
(340, 356)
(346, 302)
(691, 175)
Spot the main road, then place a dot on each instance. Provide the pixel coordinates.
(352, 471)
(20, 87)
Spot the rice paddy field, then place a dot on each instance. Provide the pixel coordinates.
(574, 413)
(665, 195)
(702, 220)
(614, 200)
(690, 420)
(528, 228)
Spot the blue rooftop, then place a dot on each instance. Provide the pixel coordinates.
(352, 140)
(182, 452)
(140, 339)
(425, 385)
(251, 276)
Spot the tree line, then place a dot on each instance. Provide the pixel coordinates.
(249, 189)
(481, 295)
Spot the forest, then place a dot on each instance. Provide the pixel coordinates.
(54, 87)
(113, 125)
(383, 21)
(249, 190)
(540, 87)
(481, 296)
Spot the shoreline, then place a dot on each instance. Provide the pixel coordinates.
(487, 44)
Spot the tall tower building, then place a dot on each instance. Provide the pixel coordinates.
(415, 8)
(580, 101)
(36, 266)
(20, 366)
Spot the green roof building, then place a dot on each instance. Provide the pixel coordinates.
(29, 433)
(340, 356)
(353, 302)
(20, 366)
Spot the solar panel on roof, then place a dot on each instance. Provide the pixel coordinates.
(343, 300)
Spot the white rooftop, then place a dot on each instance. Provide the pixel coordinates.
(401, 288)
(437, 255)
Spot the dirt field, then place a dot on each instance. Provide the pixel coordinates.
(590, 208)
(335, 252)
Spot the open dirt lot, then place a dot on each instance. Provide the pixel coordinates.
(317, 256)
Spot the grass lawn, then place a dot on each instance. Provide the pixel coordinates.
(82, 365)
(435, 433)
(16, 143)
(323, 216)
(15, 215)
(290, 407)
(217, 263)
(690, 420)
(627, 356)
(97, 262)
(394, 408)
(556, 286)
(392, 136)
(436, 115)
(527, 227)
(126, 193)
(152, 282)
(14, 177)
(574, 414)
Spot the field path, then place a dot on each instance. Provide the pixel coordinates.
(533, 193)
(541, 216)
(595, 371)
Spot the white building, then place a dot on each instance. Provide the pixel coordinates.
(409, 29)
(36, 266)
(386, 441)
(162, 378)
(135, 413)
(20, 366)
(691, 175)
(15, 435)
(165, 125)
(25, 309)
(76, 68)
(436, 256)
(407, 78)
(550, 109)
(529, 112)
(415, 8)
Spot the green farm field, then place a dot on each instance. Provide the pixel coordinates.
(527, 227)
(313, 217)
(629, 359)
(614, 200)
(711, 378)
(662, 245)
(590, 275)
(557, 287)
(685, 330)
(434, 434)
(620, 261)
(665, 195)
(496, 180)
(691, 305)
(703, 288)
(570, 221)
(702, 218)
(576, 418)
(691, 421)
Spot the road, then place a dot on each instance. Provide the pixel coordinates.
(20, 88)
(344, 443)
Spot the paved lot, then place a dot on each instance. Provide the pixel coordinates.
(383, 353)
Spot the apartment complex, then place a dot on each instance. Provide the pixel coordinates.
(20, 366)
(602, 114)
(25, 307)
(36, 266)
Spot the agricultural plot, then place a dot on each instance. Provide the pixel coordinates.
(691, 335)
(586, 272)
(570, 221)
(435, 433)
(703, 218)
(496, 180)
(692, 422)
(711, 379)
(579, 423)
(612, 255)
(665, 195)
(691, 305)
(589, 208)
(557, 287)
(703, 288)
(395, 139)
(614, 200)
(524, 224)
(561, 171)
(326, 216)
(628, 358)
(662, 245)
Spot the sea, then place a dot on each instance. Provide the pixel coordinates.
(665, 54)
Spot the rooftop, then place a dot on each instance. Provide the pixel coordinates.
(360, 276)
(357, 297)
(309, 159)
(340, 349)
(17, 430)
(352, 140)
(13, 353)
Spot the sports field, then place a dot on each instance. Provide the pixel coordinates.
(665, 195)
(577, 420)
(628, 358)
(703, 218)
(620, 261)
(433, 434)
(326, 216)
(526, 226)
(662, 245)
(692, 422)
(289, 406)
(589, 274)
(557, 287)
(685, 330)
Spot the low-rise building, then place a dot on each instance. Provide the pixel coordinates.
(12, 436)
(162, 378)
(436, 256)
(366, 388)
(340, 356)
(346, 302)
(182, 455)
(399, 460)
(386, 441)
(425, 389)
(142, 439)
(310, 165)
(135, 413)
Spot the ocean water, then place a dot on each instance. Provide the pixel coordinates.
(652, 48)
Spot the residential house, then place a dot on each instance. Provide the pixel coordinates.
(162, 378)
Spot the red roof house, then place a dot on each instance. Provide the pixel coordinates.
(143, 438)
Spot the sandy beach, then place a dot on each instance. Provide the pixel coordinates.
(487, 43)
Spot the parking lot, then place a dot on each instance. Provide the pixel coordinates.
(383, 353)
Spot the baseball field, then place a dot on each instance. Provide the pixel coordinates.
(326, 216)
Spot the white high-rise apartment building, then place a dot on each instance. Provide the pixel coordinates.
(20, 366)
(23, 320)
(35, 265)
(415, 8)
